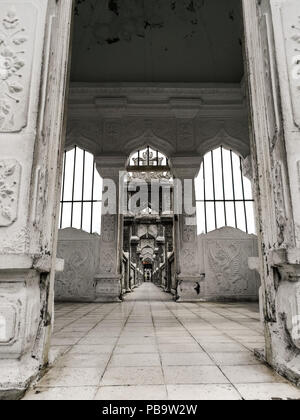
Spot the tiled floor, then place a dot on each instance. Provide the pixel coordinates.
(150, 347)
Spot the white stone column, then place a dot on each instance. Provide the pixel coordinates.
(185, 169)
(34, 52)
(108, 281)
(272, 29)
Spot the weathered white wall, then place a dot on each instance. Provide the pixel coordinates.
(80, 251)
(223, 256)
(33, 80)
(272, 56)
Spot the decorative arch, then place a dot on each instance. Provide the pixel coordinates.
(83, 136)
(149, 139)
(83, 143)
(223, 138)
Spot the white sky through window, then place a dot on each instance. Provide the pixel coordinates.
(81, 192)
(224, 196)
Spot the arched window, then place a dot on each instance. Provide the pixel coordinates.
(148, 158)
(147, 165)
(81, 194)
(224, 196)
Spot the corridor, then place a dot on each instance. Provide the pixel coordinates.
(149, 347)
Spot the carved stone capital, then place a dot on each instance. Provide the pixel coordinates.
(186, 167)
(110, 167)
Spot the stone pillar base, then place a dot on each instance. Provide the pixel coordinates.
(280, 354)
(16, 377)
(189, 288)
(108, 288)
(283, 337)
(22, 334)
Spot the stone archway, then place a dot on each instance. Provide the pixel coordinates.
(33, 120)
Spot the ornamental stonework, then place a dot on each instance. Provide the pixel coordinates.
(10, 174)
(16, 47)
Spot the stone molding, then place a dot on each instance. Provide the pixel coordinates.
(120, 119)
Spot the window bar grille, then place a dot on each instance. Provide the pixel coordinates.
(148, 156)
(73, 187)
(214, 188)
(225, 200)
(157, 158)
(205, 202)
(73, 171)
(233, 189)
(244, 198)
(83, 182)
(63, 190)
(92, 203)
(223, 182)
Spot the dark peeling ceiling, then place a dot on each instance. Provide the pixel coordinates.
(172, 41)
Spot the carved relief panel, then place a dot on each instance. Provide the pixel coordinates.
(108, 233)
(10, 174)
(19, 316)
(108, 260)
(9, 319)
(189, 233)
(80, 252)
(225, 263)
(17, 25)
(189, 260)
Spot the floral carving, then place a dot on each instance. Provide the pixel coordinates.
(16, 242)
(9, 191)
(5, 111)
(296, 37)
(296, 58)
(11, 64)
(11, 21)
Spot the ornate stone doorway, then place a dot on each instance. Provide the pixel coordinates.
(34, 74)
